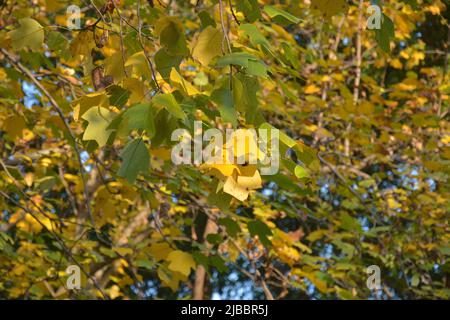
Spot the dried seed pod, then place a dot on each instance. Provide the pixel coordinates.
(99, 81)
(97, 75)
(103, 39)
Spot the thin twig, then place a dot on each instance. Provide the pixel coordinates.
(60, 113)
(58, 239)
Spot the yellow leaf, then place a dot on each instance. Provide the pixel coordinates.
(123, 251)
(99, 120)
(114, 66)
(446, 139)
(140, 65)
(136, 87)
(82, 44)
(96, 99)
(248, 183)
(245, 145)
(29, 178)
(114, 292)
(396, 64)
(14, 126)
(208, 45)
(434, 9)
(181, 262)
(407, 85)
(178, 81)
(329, 8)
(3, 74)
(233, 188)
(312, 276)
(160, 251)
(311, 89)
(170, 279)
(224, 169)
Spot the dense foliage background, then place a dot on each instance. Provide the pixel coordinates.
(86, 117)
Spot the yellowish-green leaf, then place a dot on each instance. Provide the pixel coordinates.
(329, 8)
(98, 119)
(208, 45)
(181, 262)
(280, 16)
(182, 84)
(167, 101)
(30, 34)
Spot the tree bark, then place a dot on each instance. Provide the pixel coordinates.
(198, 291)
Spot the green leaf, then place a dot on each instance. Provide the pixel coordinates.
(255, 36)
(232, 226)
(46, 183)
(280, 16)
(284, 138)
(147, 264)
(445, 250)
(286, 183)
(385, 33)
(223, 97)
(165, 124)
(220, 199)
(244, 94)
(251, 64)
(58, 43)
(30, 34)
(412, 3)
(349, 223)
(301, 172)
(346, 248)
(415, 280)
(200, 259)
(250, 9)
(235, 58)
(167, 101)
(135, 159)
(140, 116)
(201, 79)
(260, 229)
(118, 96)
(165, 62)
(256, 68)
(218, 263)
(171, 35)
(98, 119)
(214, 238)
(373, 232)
(206, 19)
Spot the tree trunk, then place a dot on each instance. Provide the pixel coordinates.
(200, 273)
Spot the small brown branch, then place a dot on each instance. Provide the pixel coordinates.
(233, 14)
(152, 69)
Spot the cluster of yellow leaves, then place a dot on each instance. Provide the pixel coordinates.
(238, 179)
(176, 267)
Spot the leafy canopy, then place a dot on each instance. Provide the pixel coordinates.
(86, 176)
